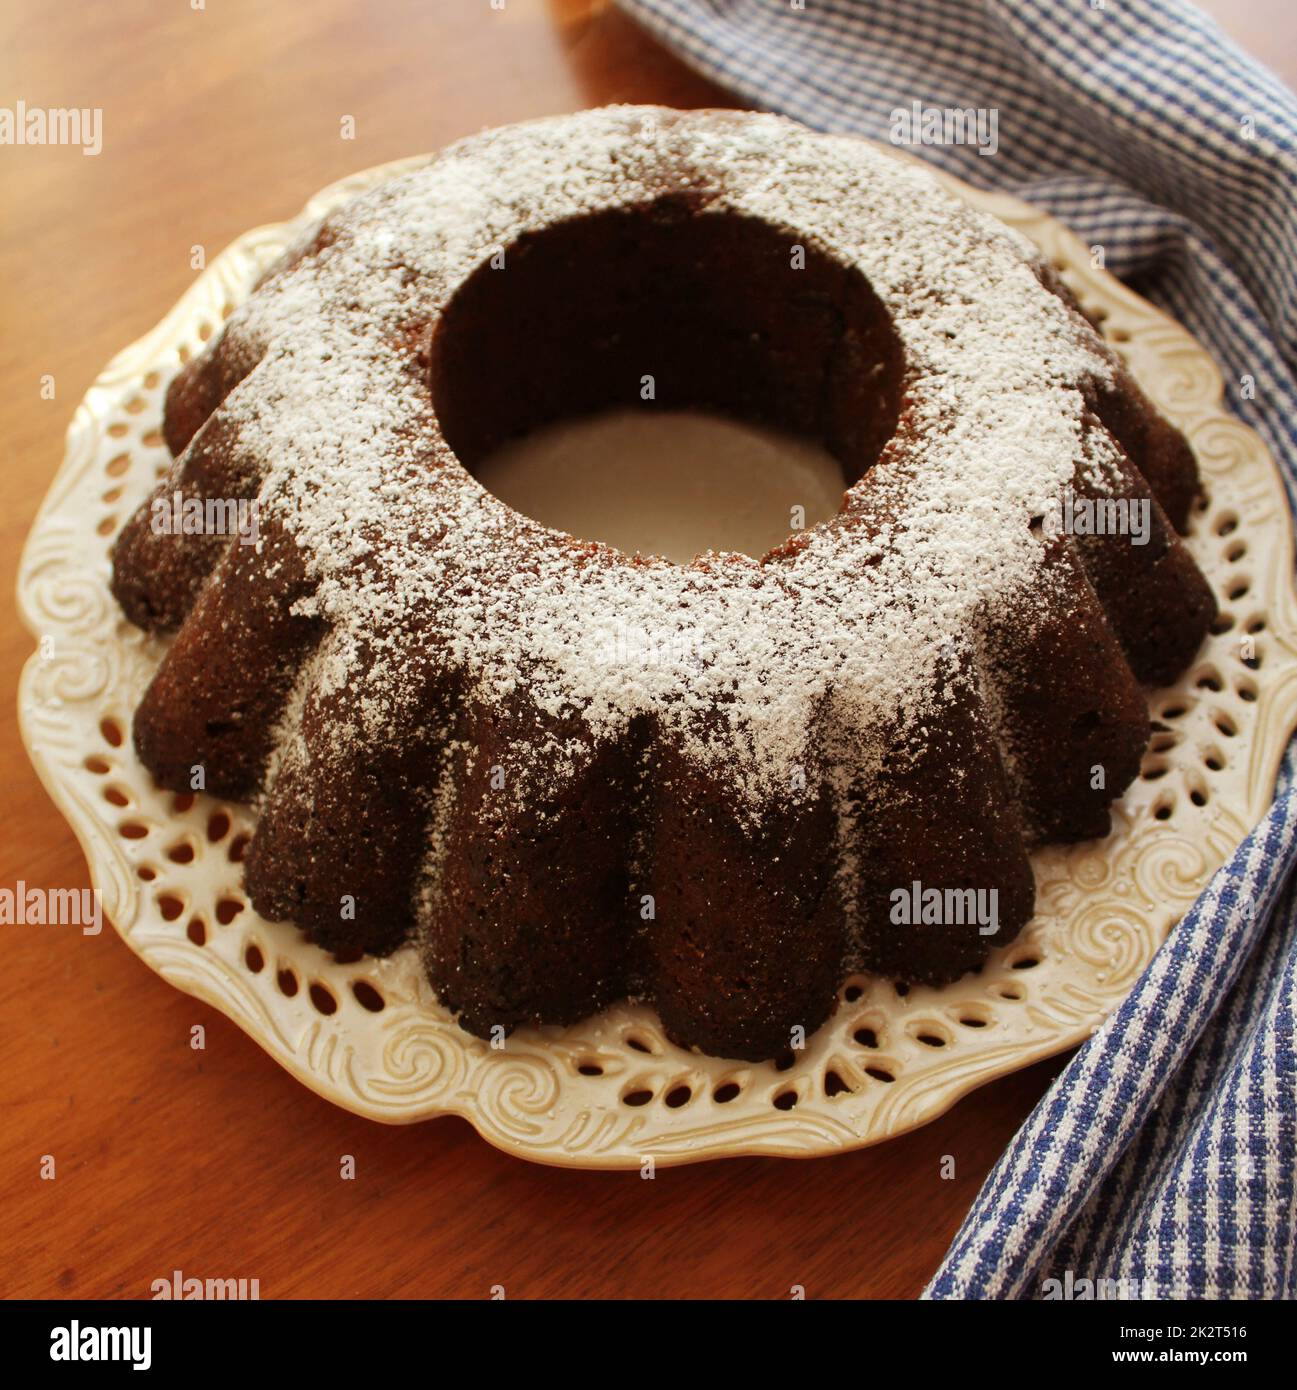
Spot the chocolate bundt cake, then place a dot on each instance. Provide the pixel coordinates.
(572, 775)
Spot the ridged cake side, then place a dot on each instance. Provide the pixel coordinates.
(443, 708)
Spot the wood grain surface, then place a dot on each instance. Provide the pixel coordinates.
(215, 1162)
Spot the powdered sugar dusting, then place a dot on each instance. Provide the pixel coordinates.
(757, 668)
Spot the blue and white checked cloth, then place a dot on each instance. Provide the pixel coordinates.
(1164, 1154)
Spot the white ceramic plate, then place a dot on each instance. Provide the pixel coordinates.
(370, 1036)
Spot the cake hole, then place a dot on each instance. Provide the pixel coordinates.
(1238, 591)
(1199, 796)
(116, 796)
(1213, 760)
(107, 526)
(726, 1092)
(970, 1019)
(1164, 808)
(1227, 523)
(589, 1069)
(253, 959)
(183, 802)
(1155, 768)
(1174, 712)
(786, 1061)
(132, 830)
(239, 847)
(880, 1074)
(785, 1100)
(901, 988)
(672, 492)
(147, 873)
(638, 1044)
(1210, 680)
(1026, 963)
(866, 1037)
(775, 380)
(678, 1096)
(196, 931)
(204, 332)
(368, 997)
(1013, 993)
(112, 732)
(117, 429)
(170, 907)
(1224, 621)
(117, 465)
(348, 955)
(851, 994)
(153, 439)
(322, 998)
(1234, 553)
(98, 766)
(1246, 691)
(637, 1097)
(930, 1039)
(286, 981)
(112, 495)
(1256, 625)
(218, 826)
(227, 909)
(1225, 724)
(181, 853)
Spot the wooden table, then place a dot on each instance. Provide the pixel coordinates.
(215, 1162)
